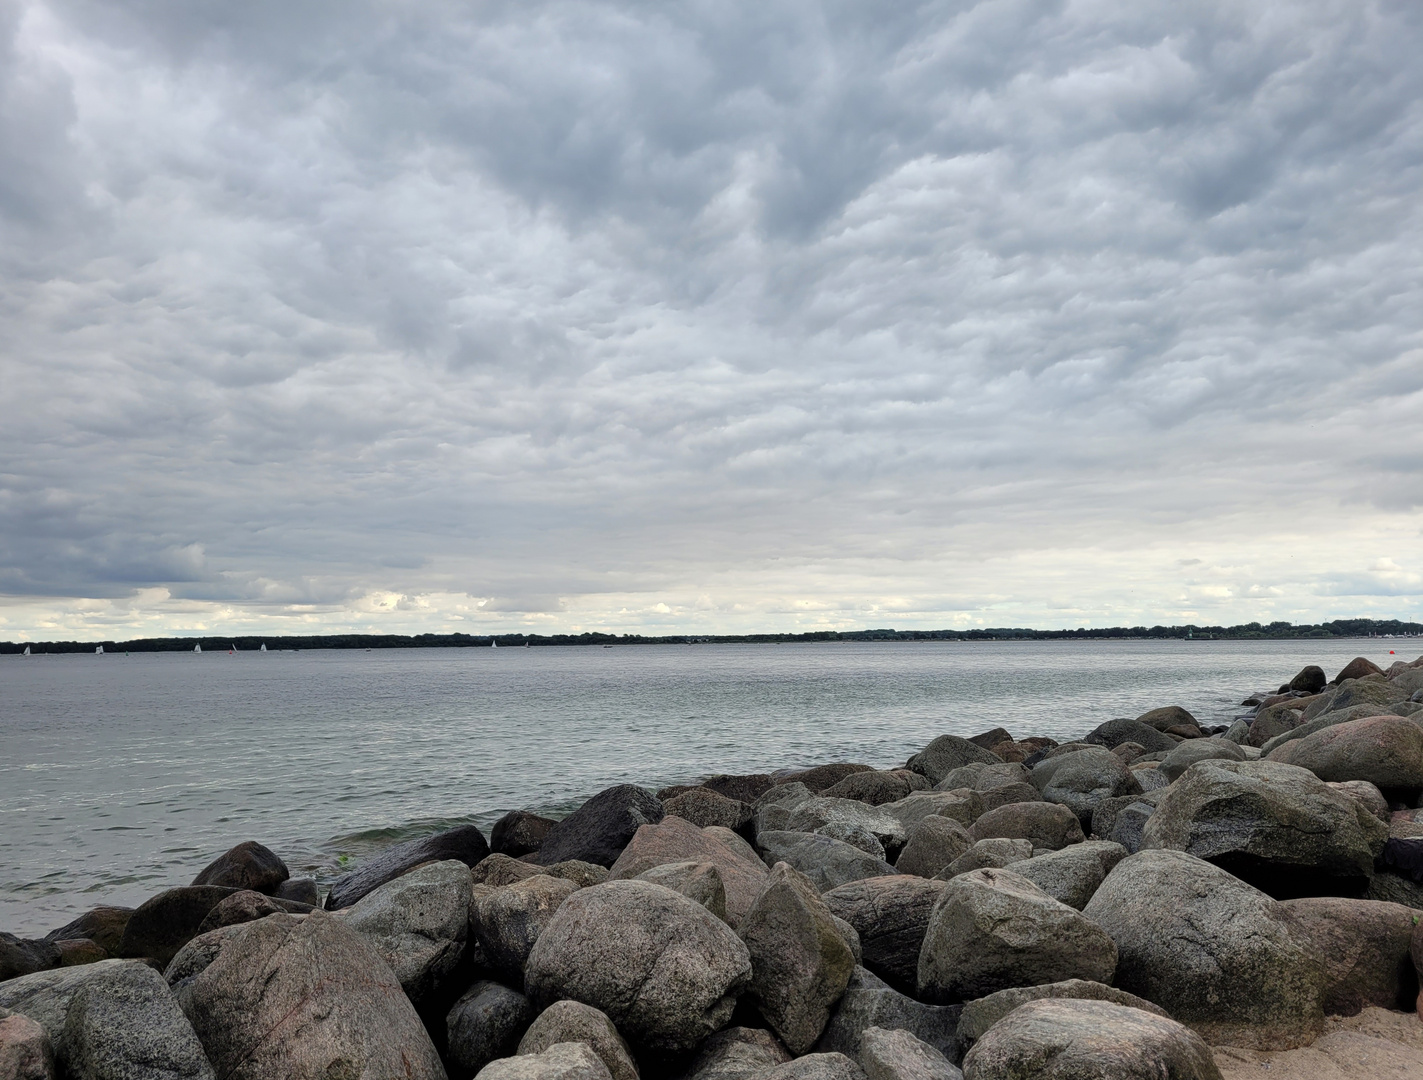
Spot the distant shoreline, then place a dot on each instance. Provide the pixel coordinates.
(1339, 628)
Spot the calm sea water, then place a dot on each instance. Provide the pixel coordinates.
(122, 775)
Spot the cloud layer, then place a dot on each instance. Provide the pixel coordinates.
(707, 316)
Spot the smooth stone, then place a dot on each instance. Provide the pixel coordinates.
(854, 835)
(898, 1055)
(699, 881)
(828, 863)
(574, 1022)
(508, 921)
(519, 832)
(947, 753)
(818, 1067)
(814, 814)
(1311, 679)
(104, 926)
(1387, 751)
(980, 776)
(1115, 732)
(299, 891)
(745, 788)
(817, 779)
(981, 1014)
(163, 924)
(992, 854)
(1366, 795)
(598, 830)
(773, 810)
(1188, 753)
(962, 805)
(245, 906)
(873, 787)
(24, 956)
(868, 1002)
(738, 1053)
(562, 1061)
(486, 1023)
(465, 844)
(1363, 946)
(1083, 779)
(934, 842)
(25, 1050)
(249, 865)
(1073, 874)
(1045, 824)
(676, 840)
(703, 807)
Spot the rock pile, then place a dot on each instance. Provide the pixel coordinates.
(998, 907)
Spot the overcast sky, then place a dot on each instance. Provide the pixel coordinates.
(710, 316)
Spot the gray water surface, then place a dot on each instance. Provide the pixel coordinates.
(122, 775)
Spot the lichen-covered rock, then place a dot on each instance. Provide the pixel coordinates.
(249, 865)
(300, 996)
(1363, 948)
(702, 807)
(598, 830)
(1273, 824)
(676, 840)
(574, 1022)
(980, 1015)
(508, 921)
(828, 863)
(991, 854)
(873, 787)
(103, 925)
(933, 843)
(1078, 1040)
(245, 906)
(868, 1002)
(818, 1067)
(1387, 751)
(486, 1023)
(814, 814)
(800, 963)
(109, 1021)
(1211, 950)
(25, 956)
(1194, 750)
(562, 1061)
(464, 843)
(1073, 874)
(898, 1055)
(419, 924)
(664, 969)
(1046, 824)
(699, 881)
(947, 753)
(1082, 779)
(993, 929)
(25, 1051)
(890, 915)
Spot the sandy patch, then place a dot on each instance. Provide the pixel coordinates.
(1375, 1045)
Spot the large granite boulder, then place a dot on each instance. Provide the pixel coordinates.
(299, 996)
(962, 805)
(982, 1013)
(1194, 750)
(800, 964)
(827, 862)
(245, 906)
(947, 753)
(890, 914)
(702, 807)
(1169, 718)
(247, 866)
(1363, 947)
(818, 1067)
(738, 1053)
(820, 777)
(746, 788)
(498, 870)
(519, 833)
(1272, 824)
(1047, 824)
(980, 776)
(464, 843)
(111, 1020)
(873, 787)
(676, 840)
(933, 843)
(992, 854)
(485, 1023)
(508, 921)
(699, 881)
(869, 1002)
(574, 1022)
(1211, 950)
(1310, 680)
(1387, 751)
(665, 970)
(816, 813)
(103, 925)
(993, 929)
(25, 1049)
(1082, 779)
(598, 830)
(1073, 1039)
(562, 1061)
(418, 923)
(163, 924)
(25, 956)
(899, 1055)
(773, 809)
(1073, 874)
(1115, 732)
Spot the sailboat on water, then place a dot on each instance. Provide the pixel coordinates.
(198, 647)
(98, 650)
(263, 648)
(232, 649)
(27, 650)
(493, 644)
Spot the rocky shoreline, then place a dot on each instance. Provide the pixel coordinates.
(996, 908)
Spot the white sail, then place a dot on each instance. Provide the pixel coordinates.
(493, 644)
(263, 648)
(98, 649)
(198, 647)
(232, 648)
(27, 650)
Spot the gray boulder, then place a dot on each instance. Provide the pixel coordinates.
(981, 776)
(854, 835)
(300, 891)
(1194, 750)
(871, 787)
(1072, 875)
(464, 843)
(1267, 822)
(868, 1002)
(1005, 794)
(1076, 1040)
(112, 1020)
(991, 854)
(1331, 718)
(828, 863)
(800, 963)
(508, 921)
(299, 996)
(574, 1022)
(1387, 751)
(699, 881)
(664, 969)
(1211, 950)
(818, 1067)
(676, 840)
(1046, 824)
(1082, 779)
(738, 1053)
(774, 808)
(249, 865)
(103, 925)
(519, 833)
(246, 905)
(993, 929)
(1363, 947)
(890, 915)
(1168, 718)
(598, 830)
(933, 843)
(1129, 827)
(947, 753)
(562, 1061)
(1115, 732)
(163, 924)
(898, 1055)
(702, 807)
(418, 923)
(24, 956)
(980, 1015)
(820, 777)
(498, 870)
(484, 1024)
(962, 805)
(1366, 795)
(814, 814)
(25, 1050)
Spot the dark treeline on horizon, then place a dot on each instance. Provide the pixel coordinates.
(1339, 628)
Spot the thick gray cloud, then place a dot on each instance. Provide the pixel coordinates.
(708, 316)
